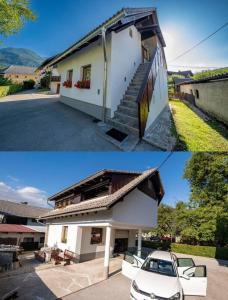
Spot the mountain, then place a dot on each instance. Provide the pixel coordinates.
(20, 57)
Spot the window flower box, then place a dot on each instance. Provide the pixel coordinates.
(67, 84)
(83, 84)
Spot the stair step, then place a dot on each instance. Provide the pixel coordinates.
(116, 123)
(130, 97)
(129, 103)
(128, 110)
(132, 92)
(126, 119)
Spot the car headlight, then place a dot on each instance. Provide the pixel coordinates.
(135, 287)
(175, 297)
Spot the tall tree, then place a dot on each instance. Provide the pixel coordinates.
(13, 15)
(207, 174)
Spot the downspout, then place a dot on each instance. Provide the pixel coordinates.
(105, 79)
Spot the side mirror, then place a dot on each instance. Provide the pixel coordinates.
(185, 277)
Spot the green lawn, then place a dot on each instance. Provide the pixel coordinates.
(194, 134)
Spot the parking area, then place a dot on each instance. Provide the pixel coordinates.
(118, 287)
(35, 121)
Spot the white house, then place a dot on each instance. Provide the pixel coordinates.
(101, 214)
(117, 73)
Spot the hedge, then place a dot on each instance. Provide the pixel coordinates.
(206, 251)
(10, 89)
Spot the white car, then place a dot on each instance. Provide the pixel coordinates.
(164, 276)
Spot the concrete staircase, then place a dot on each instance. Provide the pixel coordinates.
(126, 116)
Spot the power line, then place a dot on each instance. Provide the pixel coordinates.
(165, 161)
(205, 39)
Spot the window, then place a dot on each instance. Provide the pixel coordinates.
(197, 94)
(86, 73)
(42, 240)
(96, 236)
(69, 75)
(28, 240)
(159, 266)
(64, 234)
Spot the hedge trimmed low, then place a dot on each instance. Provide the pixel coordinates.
(206, 251)
(10, 89)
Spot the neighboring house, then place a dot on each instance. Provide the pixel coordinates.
(55, 78)
(19, 224)
(19, 74)
(27, 237)
(210, 94)
(118, 73)
(100, 215)
(185, 74)
(177, 82)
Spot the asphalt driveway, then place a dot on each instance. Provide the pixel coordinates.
(39, 122)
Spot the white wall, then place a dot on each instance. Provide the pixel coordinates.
(126, 56)
(137, 210)
(93, 55)
(160, 95)
(55, 234)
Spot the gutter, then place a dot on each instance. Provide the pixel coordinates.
(105, 79)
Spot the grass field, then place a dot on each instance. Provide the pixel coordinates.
(194, 133)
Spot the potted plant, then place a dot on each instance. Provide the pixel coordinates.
(83, 84)
(67, 84)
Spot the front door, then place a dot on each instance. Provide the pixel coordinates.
(121, 245)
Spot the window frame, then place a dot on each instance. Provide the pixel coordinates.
(69, 76)
(64, 234)
(93, 239)
(83, 72)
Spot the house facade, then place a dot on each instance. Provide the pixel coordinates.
(19, 74)
(19, 225)
(101, 215)
(107, 72)
(209, 94)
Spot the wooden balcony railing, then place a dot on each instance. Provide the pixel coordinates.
(55, 78)
(146, 92)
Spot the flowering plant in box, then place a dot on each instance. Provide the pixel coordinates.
(83, 84)
(67, 84)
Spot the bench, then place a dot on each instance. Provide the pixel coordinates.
(67, 256)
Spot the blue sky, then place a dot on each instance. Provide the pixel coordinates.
(34, 176)
(184, 23)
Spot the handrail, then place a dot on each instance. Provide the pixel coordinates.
(142, 89)
(146, 93)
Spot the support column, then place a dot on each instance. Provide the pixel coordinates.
(139, 243)
(107, 252)
(46, 236)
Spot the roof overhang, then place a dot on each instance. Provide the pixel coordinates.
(119, 21)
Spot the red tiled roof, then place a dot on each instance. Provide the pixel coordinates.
(15, 228)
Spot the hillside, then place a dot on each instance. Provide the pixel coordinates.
(20, 57)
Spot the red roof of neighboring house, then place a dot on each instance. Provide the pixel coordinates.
(15, 228)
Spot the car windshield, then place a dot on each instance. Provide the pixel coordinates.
(159, 266)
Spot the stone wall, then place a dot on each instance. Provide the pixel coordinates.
(212, 97)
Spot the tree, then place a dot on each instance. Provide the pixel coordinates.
(13, 15)
(207, 174)
(166, 221)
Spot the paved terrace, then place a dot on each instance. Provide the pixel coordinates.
(50, 282)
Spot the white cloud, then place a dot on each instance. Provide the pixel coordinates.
(28, 194)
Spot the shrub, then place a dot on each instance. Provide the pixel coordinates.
(10, 89)
(5, 81)
(207, 251)
(28, 84)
